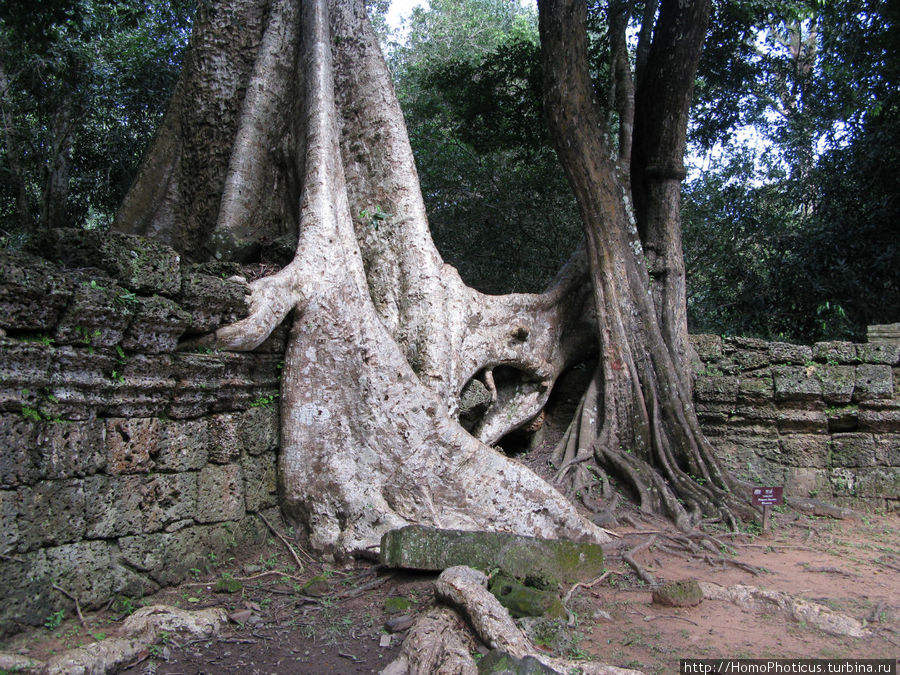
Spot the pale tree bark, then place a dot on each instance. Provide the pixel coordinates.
(385, 335)
(309, 142)
(636, 420)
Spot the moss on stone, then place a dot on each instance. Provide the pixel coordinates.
(522, 600)
(397, 604)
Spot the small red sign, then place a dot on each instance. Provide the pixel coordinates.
(767, 496)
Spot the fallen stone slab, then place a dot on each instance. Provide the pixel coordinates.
(816, 507)
(551, 560)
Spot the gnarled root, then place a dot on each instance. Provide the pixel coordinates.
(465, 589)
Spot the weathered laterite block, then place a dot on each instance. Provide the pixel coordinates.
(553, 560)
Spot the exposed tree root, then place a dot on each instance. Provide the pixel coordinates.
(465, 590)
(628, 557)
(799, 609)
(143, 629)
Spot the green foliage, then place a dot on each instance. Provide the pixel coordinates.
(83, 85)
(797, 239)
(263, 401)
(498, 204)
(55, 619)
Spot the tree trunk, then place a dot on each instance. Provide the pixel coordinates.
(385, 336)
(54, 205)
(637, 419)
(13, 153)
(662, 105)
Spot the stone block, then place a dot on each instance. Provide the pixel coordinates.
(716, 389)
(224, 381)
(800, 420)
(873, 382)
(428, 548)
(843, 482)
(837, 383)
(18, 461)
(70, 449)
(259, 429)
(158, 323)
(752, 359)
(183, 445)
(80, 381)
(881, 420)
(887, 449)
(708, 347)
(9, 529)
(852, 450)
(97, 316)
(522, 600)
(879, 353)
(220, 494)
(28, 596)
(224, 438)
(783, 352)
(804, 481)
(685, 593)
(139, 263)
(756, 389)
(123, 505)
(260, 481)
(25, 600)
(797, 383)
(882, 482)
(131, 445)
(82, 568)
(139, 386)
(167, 558)
(24, 367)
(806, 450)
(842, 418)
(33, 292)
(213, 301)
(737, 343)
(50, 513)
(835, 352)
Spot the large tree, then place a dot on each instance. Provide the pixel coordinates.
(285, 124)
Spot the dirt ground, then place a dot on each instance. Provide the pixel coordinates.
(851, 566)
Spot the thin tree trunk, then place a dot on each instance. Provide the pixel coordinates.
(637, 418)
(662, 104)
(13, 154)
(56, 186)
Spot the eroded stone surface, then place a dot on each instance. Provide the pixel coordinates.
(427, 548)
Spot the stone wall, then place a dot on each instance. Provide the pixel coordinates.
(822, 421)
(124, 463)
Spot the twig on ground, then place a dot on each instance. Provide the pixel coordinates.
(359, 590)
(830, 570)
(589, 584)
(876, 613)
(669, 616)
(75, 600)
(285, 542)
